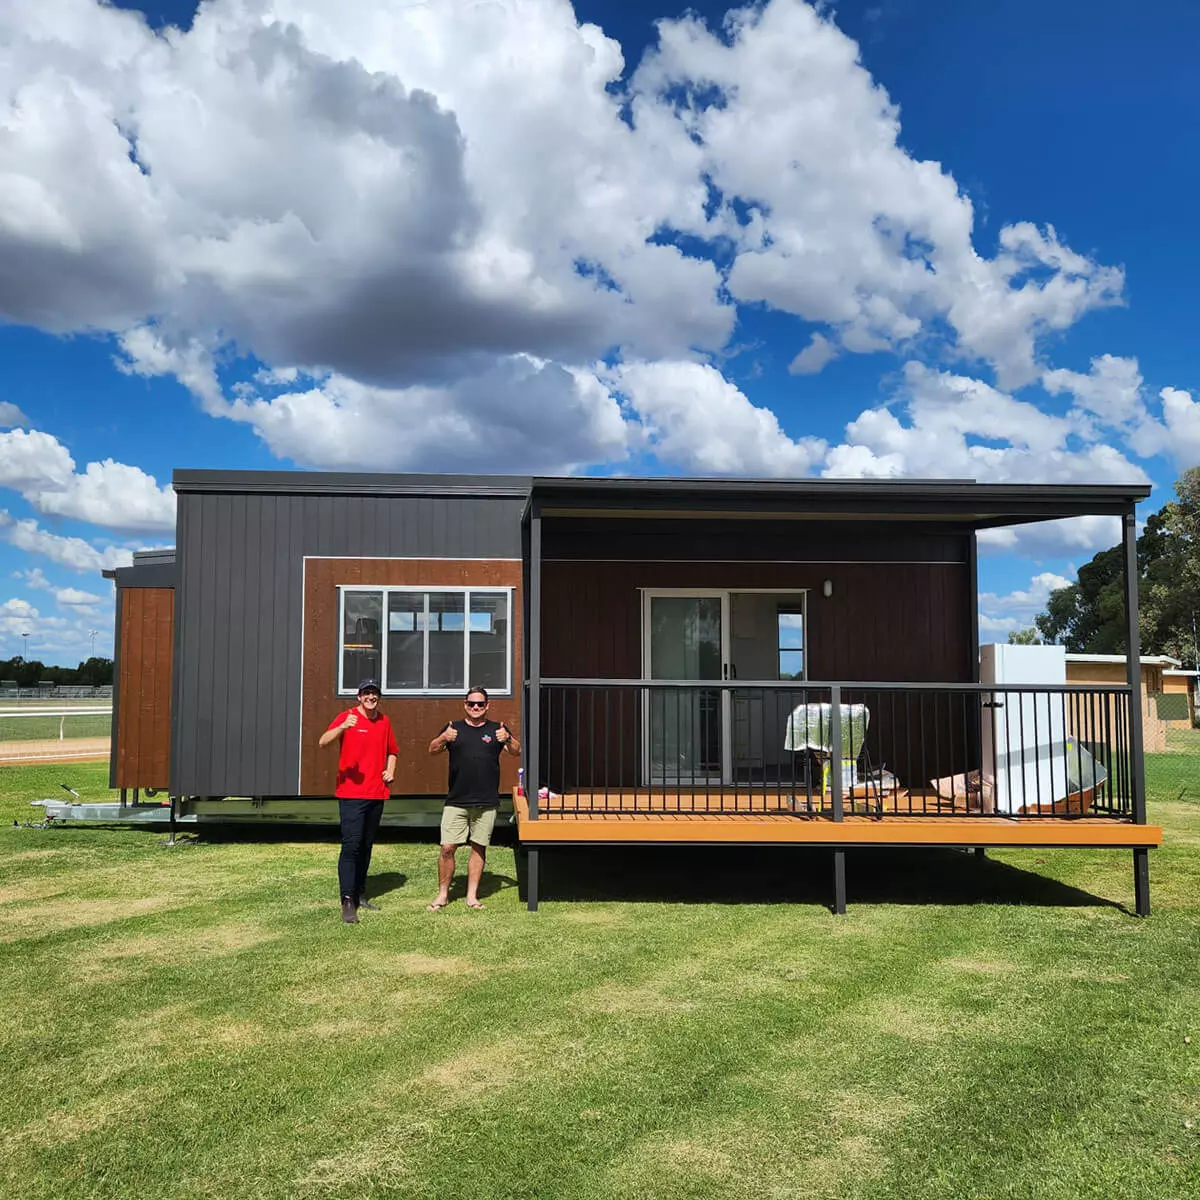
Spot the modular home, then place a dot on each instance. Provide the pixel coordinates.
(687, 661)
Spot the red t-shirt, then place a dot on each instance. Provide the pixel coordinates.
(364, 754)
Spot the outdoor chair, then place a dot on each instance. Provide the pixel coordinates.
(810, 729)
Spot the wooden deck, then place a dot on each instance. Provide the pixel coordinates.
(747, 819)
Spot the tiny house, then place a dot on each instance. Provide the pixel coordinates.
(729, 661)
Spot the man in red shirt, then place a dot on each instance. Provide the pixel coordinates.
(366, 768)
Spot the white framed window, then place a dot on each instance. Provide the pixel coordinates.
(423, 641)
(791, 641)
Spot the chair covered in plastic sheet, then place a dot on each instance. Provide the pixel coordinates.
(810, 727)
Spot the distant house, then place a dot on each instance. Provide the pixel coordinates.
(1157, 715)
(1178, 682)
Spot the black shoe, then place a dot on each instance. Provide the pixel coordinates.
(349, 912)
(363, 902)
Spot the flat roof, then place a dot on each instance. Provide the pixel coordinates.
(347, 483)
(1154, 660)
(977, 505)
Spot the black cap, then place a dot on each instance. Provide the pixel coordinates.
(369, 685)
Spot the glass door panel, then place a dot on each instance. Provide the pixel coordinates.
(685, 726)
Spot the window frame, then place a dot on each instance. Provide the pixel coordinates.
(793, 610)
(349, 687)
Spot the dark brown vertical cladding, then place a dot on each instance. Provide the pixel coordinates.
(415, 719)
(906, 620)
(142, 749)
(902, 622)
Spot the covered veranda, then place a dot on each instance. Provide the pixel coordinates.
(882, 577)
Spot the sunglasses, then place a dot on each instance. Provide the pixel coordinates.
(476, 703)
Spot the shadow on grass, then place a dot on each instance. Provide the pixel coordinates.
(489, 884)
(794, 875)
(385, 881)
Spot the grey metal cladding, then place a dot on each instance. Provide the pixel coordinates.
(239, 597)
(142, 574)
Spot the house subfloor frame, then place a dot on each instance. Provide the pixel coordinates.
(624, 828)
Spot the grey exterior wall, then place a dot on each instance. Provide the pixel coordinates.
(239, 598)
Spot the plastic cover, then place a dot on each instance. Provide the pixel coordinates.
(1083, 771)
(810, 727)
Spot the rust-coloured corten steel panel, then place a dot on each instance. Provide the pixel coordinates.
(143, 751)
(415, 719)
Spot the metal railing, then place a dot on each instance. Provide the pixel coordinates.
(55, 691)
(832, 749)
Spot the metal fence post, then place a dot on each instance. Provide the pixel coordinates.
(835, 752)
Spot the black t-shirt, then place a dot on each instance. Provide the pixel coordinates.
(474, 764)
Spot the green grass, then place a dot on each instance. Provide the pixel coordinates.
(1181, 738)
(195, 1022)
(25, 729)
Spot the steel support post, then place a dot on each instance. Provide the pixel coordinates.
(534, 634)
(531, 880)
(1133, 669)
(839, 882)
(1141, 881)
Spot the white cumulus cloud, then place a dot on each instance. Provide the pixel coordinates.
(961, 427)
(1000, 615)
(107, 493)
(71, 552)
(459, 190)
(689, 413)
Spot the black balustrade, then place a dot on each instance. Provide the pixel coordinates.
(834, 750)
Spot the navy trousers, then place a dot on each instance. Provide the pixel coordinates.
(360, 823)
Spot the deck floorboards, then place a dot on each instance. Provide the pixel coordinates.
(654, 817)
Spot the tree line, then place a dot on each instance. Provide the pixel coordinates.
(1088, 616)
(26, 673)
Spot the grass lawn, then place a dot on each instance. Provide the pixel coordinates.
(26, 729)
(196, 1022)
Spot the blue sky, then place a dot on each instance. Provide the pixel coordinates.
(477, 233)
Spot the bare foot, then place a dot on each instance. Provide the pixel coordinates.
(475, 904)
(436, 906)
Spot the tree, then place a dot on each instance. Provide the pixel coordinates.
(1024, 637)
(1089, 615)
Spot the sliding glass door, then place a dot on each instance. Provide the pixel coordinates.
(685, 637)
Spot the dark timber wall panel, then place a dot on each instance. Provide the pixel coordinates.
(142, 750)
(894, 621)
(886, 622)
(240, 608)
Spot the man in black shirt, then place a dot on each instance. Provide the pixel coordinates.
(475, 745)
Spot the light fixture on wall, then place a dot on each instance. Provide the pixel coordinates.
(827, 588)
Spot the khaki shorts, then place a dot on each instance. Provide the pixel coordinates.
(473, 824)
